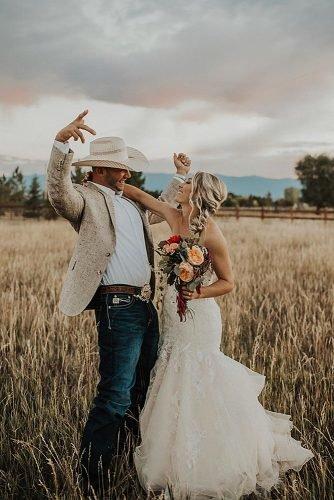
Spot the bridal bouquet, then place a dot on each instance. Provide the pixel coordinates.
(185, 262)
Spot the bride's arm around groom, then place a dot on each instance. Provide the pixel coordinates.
(182, 164)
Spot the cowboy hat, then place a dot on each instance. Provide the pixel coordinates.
(113, 153)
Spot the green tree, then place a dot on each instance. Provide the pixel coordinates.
(34, 199)
(4, 190)
(291, 196)
(267, 200)
(253, 201)
(231, 200)
(17, 187)
(12, 189)
(316, 174)
(78, 175)
(137, 179)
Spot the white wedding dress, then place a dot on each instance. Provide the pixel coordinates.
(204, 432)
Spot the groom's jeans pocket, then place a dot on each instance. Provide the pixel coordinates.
(120, 307)
(112, 304)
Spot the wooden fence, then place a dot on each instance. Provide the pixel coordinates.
(12, 211)
(324, 214)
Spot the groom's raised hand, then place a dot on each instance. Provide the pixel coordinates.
(74, 128)
(182, 163)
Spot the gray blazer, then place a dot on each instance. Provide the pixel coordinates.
(91, 213)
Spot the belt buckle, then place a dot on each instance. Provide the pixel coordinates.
(145, 293)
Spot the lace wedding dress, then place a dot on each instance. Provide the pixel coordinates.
(204, 432)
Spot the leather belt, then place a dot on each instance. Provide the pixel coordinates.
(132, 290)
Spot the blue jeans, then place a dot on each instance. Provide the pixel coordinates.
(128, 334)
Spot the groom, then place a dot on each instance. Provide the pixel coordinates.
(111, 271)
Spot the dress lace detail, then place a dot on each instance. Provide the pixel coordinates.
(204, 432)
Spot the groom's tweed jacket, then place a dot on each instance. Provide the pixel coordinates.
(91, 212)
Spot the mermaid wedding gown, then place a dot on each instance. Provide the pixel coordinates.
(204, 432)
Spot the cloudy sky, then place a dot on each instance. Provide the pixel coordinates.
(245, 87)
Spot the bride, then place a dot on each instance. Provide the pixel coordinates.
(204, 433)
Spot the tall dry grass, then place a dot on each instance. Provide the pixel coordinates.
(278, 321)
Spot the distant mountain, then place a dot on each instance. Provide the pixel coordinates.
(253, 184)
(258, 186)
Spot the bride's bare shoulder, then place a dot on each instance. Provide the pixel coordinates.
(213, 234)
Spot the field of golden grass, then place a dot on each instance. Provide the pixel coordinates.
(278, 321)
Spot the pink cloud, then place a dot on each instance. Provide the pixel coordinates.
(15, 95)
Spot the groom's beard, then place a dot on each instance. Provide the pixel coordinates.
(117, 180)
(118, 188)
(116, 185)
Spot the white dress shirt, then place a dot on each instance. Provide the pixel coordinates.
(129, 264)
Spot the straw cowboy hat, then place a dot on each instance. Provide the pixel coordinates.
(113, 153)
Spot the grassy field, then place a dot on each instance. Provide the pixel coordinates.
(278, 321)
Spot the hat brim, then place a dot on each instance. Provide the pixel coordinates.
(136, 161)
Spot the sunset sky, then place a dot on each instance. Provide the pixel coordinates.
(244, 87)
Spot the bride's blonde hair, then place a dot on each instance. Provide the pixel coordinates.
(207, 195)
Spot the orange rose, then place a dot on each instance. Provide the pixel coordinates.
(186, 272)
(195, 256)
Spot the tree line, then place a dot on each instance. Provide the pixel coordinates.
(316, 174)
(33, 201)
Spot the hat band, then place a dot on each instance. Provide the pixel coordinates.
(101, 153)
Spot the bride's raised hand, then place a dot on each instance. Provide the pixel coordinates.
(182, 163)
